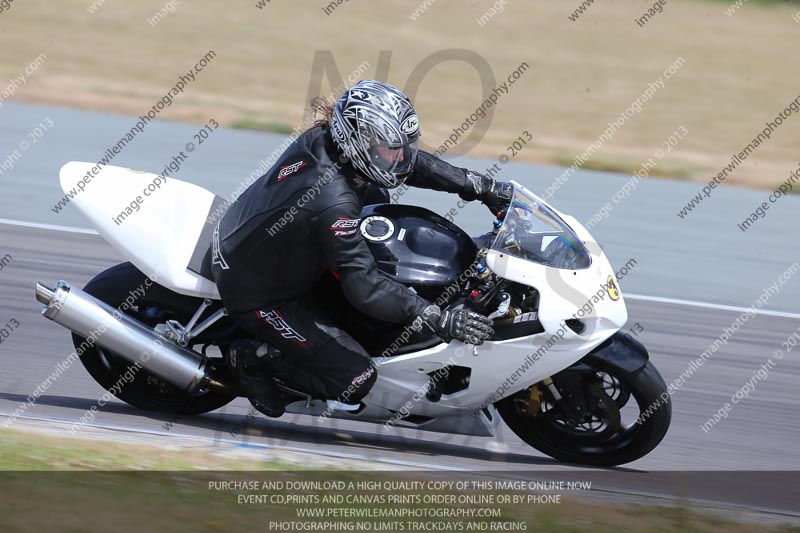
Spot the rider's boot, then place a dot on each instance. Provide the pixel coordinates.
(248, 361)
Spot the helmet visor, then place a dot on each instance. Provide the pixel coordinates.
(397, 159)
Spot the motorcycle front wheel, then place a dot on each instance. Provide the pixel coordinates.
(611, 417)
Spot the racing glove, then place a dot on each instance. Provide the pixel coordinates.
(456, 324)
(496, 195)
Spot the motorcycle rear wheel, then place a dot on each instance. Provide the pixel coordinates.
(144, 390)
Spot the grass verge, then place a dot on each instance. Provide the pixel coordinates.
(114, 492)
(255, 125)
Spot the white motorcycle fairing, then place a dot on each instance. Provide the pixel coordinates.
(498, 369)
(161, 230)
(160, 235)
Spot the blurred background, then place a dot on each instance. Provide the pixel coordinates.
(740, 69)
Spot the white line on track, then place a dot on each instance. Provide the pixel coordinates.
(629, 296)
(52, 227)
(299, 449)
(705, 305)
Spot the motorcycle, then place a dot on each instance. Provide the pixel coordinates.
(558, 370)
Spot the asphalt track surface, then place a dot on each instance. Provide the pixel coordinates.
(760, 433)
(702, 259)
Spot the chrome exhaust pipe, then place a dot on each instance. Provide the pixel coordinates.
(90, 318)
(44, 294)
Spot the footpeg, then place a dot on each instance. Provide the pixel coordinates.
(333, 405)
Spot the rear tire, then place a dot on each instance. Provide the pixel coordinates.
(629, 443)
(141, 388)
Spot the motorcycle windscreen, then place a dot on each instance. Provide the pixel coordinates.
(534, 232)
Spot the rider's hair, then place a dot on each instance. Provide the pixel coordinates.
(322, 108)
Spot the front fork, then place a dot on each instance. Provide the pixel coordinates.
(574, 409)
(571, 409)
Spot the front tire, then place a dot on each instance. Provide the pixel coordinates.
(601, 438)
(141, 388)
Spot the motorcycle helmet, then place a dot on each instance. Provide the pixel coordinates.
(375, 125)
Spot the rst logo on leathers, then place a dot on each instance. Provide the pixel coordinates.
(216, 253)
(345, 226)
(276, 320)
(290, 169)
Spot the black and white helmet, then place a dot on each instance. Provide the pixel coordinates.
(375, 126)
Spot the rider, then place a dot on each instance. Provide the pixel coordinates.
(300, 220)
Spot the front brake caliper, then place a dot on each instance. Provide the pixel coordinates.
(531, 404)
